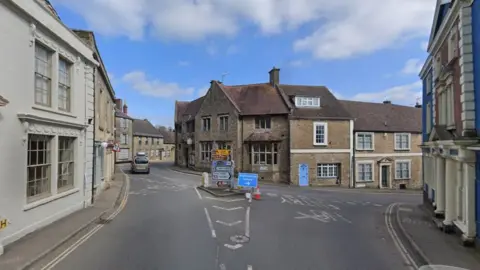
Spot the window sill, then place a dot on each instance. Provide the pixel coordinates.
(45, 109)
(369, 150)
(406, 149)
(320, 144)
(364, 182)
(399, 179)
(49, 199)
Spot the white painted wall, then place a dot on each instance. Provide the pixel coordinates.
(17, 52)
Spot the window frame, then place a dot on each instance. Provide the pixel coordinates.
(67, 87)
(223, 122)
(70, 161)
(371, 134)
(273, 152)
(325, 133)
(328, 166)
(302, 102)
(205, 120)
(47, 156)
(407, 161)
(409, 140)
(206, 151)
(263, 123)
(358, 173)
(47, 78)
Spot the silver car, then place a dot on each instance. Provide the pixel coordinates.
(140, 164)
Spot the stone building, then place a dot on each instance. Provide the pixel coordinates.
(146, 138)
(387, 140)
(123, 132)
(168, 153)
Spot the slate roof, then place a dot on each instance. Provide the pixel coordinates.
(262, 137)
(330, 107)
(256, 99)
(168, 136)
(143, 127)
(380, 117)
(121, 114)
(180, 107)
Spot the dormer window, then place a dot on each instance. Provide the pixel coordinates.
(308, 102)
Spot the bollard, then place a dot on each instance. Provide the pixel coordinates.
(206, 182)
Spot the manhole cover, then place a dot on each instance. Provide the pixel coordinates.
(239, 239)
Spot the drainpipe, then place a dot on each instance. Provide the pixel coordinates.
(94, 161)
(352, 155)
(243, 145)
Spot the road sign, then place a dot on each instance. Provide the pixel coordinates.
(221, 175)
(248, 180)
(222, 152)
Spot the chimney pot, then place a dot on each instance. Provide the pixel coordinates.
(418, 105)
(125, 108)
(274, 76)
(387, 102)
(118, 104)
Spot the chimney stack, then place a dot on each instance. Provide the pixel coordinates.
(125, 108)
(418, 105)
(118, 104)
(274, 76)
(387, 101)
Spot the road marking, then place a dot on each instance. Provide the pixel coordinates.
(351, 203)
(223, 267)
(377, 205)
(307, 201)
(405, 209)
(224, 200)
(294, 200)
(341, 217)
(323, 216)
(233, 247)
(84, 238)
(396, 240)
(198, 193)
(229, 224)
(247, 222)
(210, 224)
(228, 209)
(249, 267)
(334, 207)
(272, 194)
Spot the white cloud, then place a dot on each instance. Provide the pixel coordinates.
(424, 45)
(157, 119)
(183, 63)
(342, 28)
(232, 49)
(412, 66)
(403, 94)
(140, 83)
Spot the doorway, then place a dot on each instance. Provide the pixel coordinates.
(384, 176)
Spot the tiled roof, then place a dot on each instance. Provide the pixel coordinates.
(330, 107)
(168, 136)
(121, 114)
(180, 107)
(145, 128)
(256, 99)
(382, 117)
(262, 137)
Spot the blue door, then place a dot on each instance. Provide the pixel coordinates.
(303, 175)
(477, 193)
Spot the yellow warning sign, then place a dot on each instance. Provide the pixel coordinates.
(222, 152)
(3, 223)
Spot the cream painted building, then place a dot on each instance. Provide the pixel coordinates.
(104, 158)
(46, 130)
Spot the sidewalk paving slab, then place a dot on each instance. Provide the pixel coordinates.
(38, 244)
(430, 244)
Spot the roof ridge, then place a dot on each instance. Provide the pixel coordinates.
(377, 103)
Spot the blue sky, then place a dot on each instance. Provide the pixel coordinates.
(159, 51)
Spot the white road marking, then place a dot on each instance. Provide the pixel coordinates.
(334, 207)
(323, 216)
(377, 205)
(307, 201)
(405, 209)
(351, 203)
(224, 200)
(228, 209)
(247, 222)
(229, 224)
(396, 240)
(223, 267)
(233, 247)
(294, 200)
(198, 193)
(271, 194)
(210, 224)
(84, 238)
(249, 267)
(341, 217)
(285, 200)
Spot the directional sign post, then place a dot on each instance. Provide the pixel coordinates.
(222, 171)
(248, 180)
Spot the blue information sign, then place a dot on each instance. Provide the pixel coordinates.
(248, 180)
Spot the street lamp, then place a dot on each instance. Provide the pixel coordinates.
(189, 141)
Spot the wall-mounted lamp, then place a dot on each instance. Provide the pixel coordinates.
(189, 141)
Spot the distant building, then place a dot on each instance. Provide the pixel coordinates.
(146, 138)
(168, 153)
(123, 132)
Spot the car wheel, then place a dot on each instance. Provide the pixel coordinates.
(148, 172)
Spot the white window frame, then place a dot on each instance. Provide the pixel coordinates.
(450, 104)
(66, 86)
(46, 165)
(357, 171)
(325, 131)
(41, 77)
(206, 151)
(307, 102)
(409, 135)
(320, 167)
(69, 163)
(257, 153)
(263, 123)
(407, 161)
(371, 134)
(428, 117)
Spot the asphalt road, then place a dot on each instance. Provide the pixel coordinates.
(168, 224)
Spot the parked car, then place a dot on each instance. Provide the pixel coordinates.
(140, 164)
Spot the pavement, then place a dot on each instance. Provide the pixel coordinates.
(170, 224)
(35, 247)
(428, 245)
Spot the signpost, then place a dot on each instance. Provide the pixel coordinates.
(222, 172)
(248, 180)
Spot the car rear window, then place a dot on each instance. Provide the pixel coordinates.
(141, 161)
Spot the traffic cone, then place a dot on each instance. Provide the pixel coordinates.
(256, 193)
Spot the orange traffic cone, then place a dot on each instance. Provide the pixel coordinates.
(256, 193)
